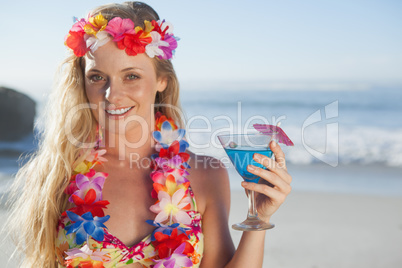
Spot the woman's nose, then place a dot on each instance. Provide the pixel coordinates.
(114, 94)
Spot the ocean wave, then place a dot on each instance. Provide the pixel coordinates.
(361, 145)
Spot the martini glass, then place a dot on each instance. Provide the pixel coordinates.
(240, 148)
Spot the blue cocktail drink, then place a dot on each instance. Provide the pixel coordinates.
(241, 157)
(241, 148)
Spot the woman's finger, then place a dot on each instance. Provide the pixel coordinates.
(279, 154)
(277, 182)
(273, 166)
(275, 195)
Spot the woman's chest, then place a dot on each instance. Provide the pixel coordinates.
(129, 195)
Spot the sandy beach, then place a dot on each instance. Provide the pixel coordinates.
(320, 230)
(331, 230)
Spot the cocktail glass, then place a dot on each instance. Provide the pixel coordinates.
(240, 148)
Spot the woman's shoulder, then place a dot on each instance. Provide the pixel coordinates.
(208, 178)
(206, 167)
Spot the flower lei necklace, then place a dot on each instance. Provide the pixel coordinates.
(172, 208)
(156, 39)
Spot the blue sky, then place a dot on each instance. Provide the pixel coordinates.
(227, 42)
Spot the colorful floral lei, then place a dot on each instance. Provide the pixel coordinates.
(156, 39)
(174, 221)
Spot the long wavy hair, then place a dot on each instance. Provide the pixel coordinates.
(37, 195)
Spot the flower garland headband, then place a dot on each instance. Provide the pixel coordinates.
(89, 34)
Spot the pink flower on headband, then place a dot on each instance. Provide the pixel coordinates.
(79, 25)
(117, 27)
(168, 50)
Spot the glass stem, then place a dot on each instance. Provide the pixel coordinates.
(252, 211)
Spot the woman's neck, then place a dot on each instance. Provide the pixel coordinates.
(130, 146)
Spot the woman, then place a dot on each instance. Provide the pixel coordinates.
(110, 185)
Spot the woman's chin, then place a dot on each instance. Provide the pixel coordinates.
(132, 126)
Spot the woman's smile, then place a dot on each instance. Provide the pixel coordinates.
(118, 113)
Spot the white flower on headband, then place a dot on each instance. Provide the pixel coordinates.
(94, 42)
(153, 49)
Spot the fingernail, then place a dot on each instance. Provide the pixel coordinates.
(251, 167)
(257, 156)
(273, 143)
(244, 184)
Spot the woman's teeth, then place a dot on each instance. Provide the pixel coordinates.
(119, 111)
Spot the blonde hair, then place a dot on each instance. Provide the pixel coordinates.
(37, 195)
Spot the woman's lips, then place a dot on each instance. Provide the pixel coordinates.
(118, 113)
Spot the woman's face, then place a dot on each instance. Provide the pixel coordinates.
(122, 87)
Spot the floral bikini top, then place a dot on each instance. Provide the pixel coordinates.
(177, 241)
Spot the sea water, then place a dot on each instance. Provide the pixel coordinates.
(368, 131)
(362, 127)
(362, 131)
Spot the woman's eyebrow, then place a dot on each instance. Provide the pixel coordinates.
(94, 70)
(124, 70)
(131, 68)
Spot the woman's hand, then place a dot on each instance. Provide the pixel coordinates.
(274, 185)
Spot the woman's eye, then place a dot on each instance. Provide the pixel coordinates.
(96, 78)
(132, 77)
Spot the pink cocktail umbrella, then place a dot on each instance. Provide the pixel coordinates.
(271, 129)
